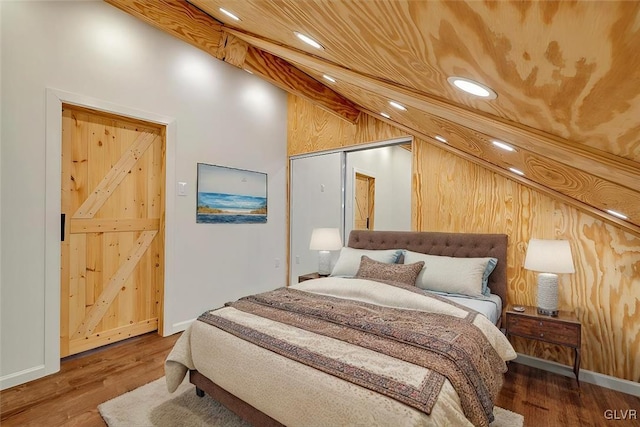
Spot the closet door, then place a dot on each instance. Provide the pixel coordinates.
(316, 201)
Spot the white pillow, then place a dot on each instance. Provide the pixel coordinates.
(465, 276)
(349, 259)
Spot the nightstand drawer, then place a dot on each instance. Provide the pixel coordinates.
(545, 330)
(309, 276)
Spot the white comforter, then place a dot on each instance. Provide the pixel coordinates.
(298, 395)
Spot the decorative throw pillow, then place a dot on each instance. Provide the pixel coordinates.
(465, 276)
(349, 259)
(403, 273)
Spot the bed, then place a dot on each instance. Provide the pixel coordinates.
(275, 367)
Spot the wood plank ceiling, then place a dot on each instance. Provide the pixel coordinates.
(566, 74)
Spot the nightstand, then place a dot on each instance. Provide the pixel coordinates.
(565, 329)
(308, 276)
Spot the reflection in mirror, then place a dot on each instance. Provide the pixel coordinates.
(364, 187)
(378, 189)
(315, 202)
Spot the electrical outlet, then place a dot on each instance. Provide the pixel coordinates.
(277, 263)
(297, 259)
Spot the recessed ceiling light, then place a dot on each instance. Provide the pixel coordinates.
(329, 78)
(229, 14)
(503, 145)
(308, 40)
(385, 115)
(441, 138)
(397, 105)
(516, 171)
(474, 88)
(618, 214)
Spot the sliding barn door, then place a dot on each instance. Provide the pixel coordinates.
(364, 202)
(112, 254)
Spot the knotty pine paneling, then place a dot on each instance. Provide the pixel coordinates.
(568, 69)
(370, 129)
(453, 194)
(551, 64)
(565, 68)
(310, 129)
(282, 74)
(458, 196)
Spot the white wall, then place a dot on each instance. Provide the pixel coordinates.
(391, 167)
(218, 114)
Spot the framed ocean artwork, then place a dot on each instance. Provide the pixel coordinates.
(230, 196)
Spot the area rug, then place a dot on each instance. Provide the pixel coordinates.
(152, 405)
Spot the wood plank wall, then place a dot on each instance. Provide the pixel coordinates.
(455, 195)
(311, 129)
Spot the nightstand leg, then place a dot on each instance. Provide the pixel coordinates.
(576, 366)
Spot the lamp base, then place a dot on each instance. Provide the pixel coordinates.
(548, 294)
(546, 312)
(324, 263)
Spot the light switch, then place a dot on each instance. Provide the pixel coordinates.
(182, 188)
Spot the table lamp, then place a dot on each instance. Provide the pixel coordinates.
(548, 258)
(325, 240)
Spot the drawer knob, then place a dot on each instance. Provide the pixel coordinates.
(540, 323)
(541, 335)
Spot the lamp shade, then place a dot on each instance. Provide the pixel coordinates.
(325, 239)
(549, 256)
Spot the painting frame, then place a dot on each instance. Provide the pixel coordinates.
(227, 195)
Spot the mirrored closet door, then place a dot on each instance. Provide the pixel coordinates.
(364, 187)
(316, 198)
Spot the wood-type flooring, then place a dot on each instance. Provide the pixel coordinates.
(71, 396)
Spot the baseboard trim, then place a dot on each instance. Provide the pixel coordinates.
(613, 383)
(22, 377)
(178, 327)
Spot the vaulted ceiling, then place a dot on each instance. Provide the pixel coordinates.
(566, 75)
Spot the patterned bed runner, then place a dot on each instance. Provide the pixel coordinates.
(450, 347)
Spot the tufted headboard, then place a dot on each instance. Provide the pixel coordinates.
(462, 245)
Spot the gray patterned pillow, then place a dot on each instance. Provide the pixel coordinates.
(402, 273)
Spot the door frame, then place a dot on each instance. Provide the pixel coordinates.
(370, 177)
(53, 152)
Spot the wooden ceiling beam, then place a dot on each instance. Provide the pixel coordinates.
(280, 73)
(607, 166)
(178, 18)
(232, 50)
(190, 24)
(584, 207)
(287, 77)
